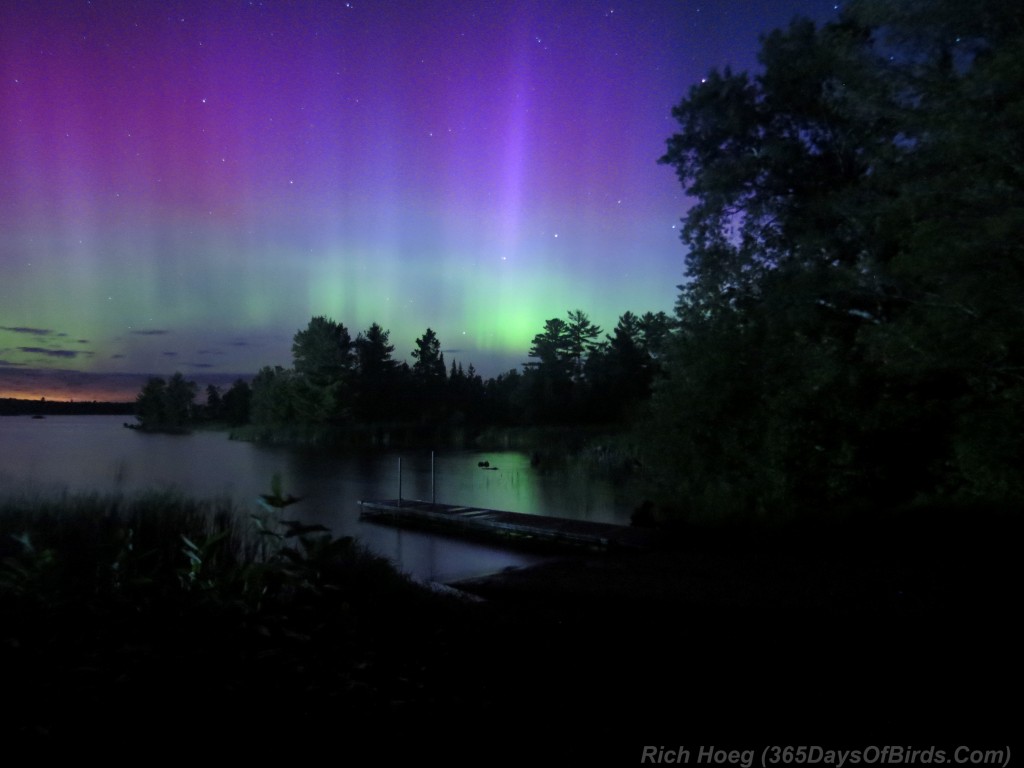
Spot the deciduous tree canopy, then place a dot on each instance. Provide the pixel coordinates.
(851, 326)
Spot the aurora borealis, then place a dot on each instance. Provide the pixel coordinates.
(184, 184)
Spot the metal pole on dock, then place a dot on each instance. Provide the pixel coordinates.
(432, 499)
(399, 481)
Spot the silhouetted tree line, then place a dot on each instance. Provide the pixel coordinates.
(169, 405)
(578, 377)
(851, 330)
(335, 380)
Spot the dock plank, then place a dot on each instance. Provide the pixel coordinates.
(505, 526)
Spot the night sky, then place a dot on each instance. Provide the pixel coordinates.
(184, 184)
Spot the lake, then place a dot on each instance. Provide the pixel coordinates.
(97, 454)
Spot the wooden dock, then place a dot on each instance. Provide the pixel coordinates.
(507, 527)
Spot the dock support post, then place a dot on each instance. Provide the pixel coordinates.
(432, 497)
(399, 481)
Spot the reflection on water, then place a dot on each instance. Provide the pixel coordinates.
(95, 453)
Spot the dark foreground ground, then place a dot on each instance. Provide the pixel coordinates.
(842, 638)
(852, 638)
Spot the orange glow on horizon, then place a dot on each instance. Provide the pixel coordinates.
(52, 395)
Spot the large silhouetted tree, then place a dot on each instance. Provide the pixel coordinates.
(554, 388)
(850, 328)
(428, 378)
(623, 371)
(376, 380)
(551, 349)
(582, 339)
(323, 358)
(429, 367)
(545, 392)
(619, 371)
(323, 351)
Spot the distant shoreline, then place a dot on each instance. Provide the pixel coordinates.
(10, 406)
(62, 385)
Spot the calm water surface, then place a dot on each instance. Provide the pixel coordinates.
(96, 453)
